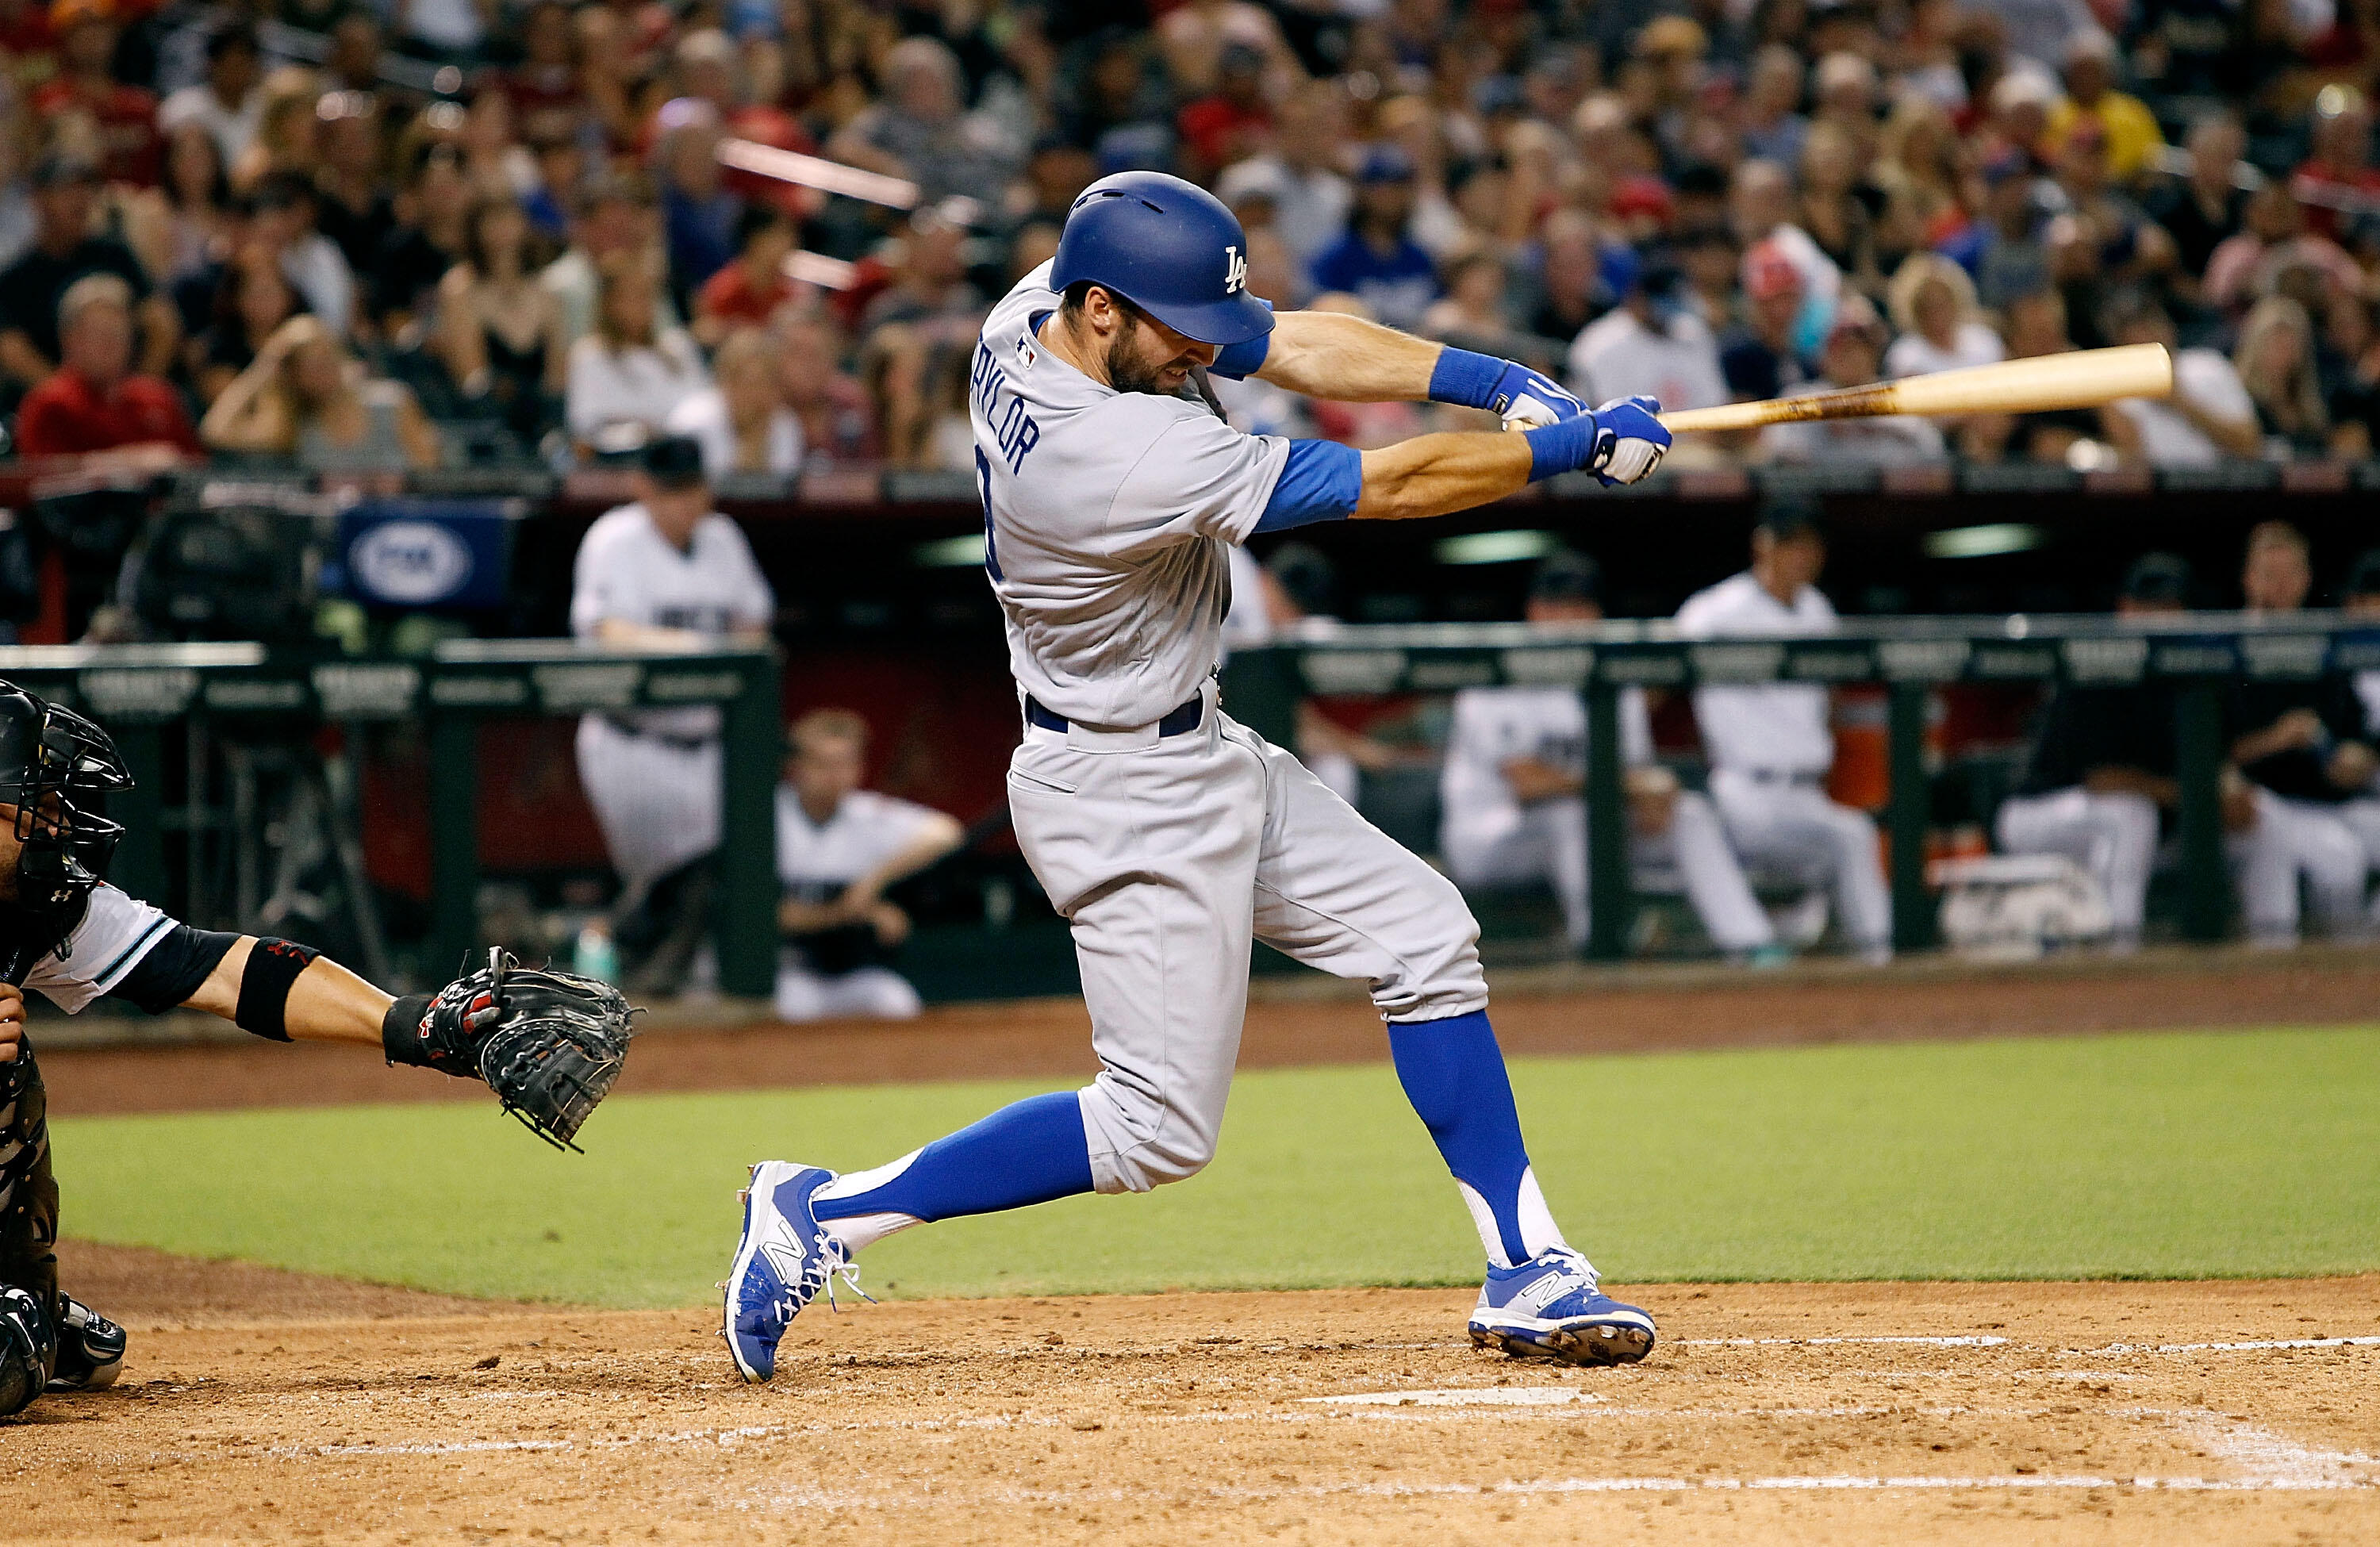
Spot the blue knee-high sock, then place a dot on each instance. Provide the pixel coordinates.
(1453, 1074)
(1027, 1152)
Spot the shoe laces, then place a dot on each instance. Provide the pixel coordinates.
(1575, 1261)
(827, 1264)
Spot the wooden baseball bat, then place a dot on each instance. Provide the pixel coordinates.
(2083, 379)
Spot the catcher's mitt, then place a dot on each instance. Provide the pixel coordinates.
(549, 1043)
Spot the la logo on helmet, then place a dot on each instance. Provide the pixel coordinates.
(1235, 272)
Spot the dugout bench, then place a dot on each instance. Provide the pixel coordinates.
(1910, 656)
(137, 691)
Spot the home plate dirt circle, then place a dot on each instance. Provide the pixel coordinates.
(285, 1407)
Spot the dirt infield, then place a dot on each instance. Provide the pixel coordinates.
(1568, 1010)
(270, 1406)
(258, 1405)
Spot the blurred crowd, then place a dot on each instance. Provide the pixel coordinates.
(375, 237)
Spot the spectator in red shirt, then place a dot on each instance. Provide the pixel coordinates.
(93, 406)
(2341, 159)
(748, 291)
(131, 150)
(1226, 125)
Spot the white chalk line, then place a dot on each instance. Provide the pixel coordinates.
(2246, 1348)
(1968, 1341)
(814, 1498)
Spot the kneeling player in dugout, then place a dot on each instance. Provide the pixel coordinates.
(548, 1044)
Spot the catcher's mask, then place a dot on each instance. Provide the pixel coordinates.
(49, 756)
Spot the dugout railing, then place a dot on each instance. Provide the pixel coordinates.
(140, 691)
(1909, 657)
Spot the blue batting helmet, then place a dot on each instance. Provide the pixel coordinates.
(1169, 247)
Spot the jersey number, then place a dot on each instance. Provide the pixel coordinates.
(983, 480)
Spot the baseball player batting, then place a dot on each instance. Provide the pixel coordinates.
(1166, 832)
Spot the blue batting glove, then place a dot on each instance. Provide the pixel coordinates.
(1525, 399)
(1636, 443)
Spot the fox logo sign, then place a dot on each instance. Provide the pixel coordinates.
(1235, 272)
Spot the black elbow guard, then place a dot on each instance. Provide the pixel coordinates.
(264, 984)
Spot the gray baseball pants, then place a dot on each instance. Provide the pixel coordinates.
(1168, 856)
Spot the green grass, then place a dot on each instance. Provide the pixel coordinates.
(2192, 1155)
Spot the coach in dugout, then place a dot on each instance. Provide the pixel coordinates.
(1770, 746)
(839, 847)
(2300, 744)
(666, 572)
(2102, 779)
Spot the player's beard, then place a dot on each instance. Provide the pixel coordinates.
(1126, 370)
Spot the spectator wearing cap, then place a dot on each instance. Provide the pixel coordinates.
(130, 149)
(741, 420)
(306, 401)
(1933, 304)
(2101, 784)
(93, 406)
(629, 371)
(1513, 790)
(1310, 197)
(1770, 747)
(1651, 345)
(229, 104)
(1854, 355)
(921, 130)
(747, 292)
(1377, 260)
(66, 194)
(664, 572)
(2123, 121)
(2004, 251)
(1761, 358)
(2301, 744)
(2209, 416)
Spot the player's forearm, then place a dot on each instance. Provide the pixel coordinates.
(326, 1003)
(1433, 475)
(621, 634)
(1323, 354)
(919, 852)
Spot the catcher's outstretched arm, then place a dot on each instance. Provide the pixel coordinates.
(321, 1002)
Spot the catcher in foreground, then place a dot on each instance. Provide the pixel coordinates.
(549, 1044)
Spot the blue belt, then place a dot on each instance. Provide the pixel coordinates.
(1183, 718)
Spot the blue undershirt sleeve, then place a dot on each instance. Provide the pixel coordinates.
(1239, 362)
(1322, 480)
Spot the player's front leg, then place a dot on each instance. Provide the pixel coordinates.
(1338, 893)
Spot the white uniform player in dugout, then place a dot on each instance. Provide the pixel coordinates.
(1167, 834)
(666, 572)
(1769, 745)
(1511, 793)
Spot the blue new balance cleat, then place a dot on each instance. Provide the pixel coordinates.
(1550, 1308)
(782, 1262)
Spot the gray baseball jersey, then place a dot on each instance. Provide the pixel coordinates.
(1109, 518)
(1106, 516)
